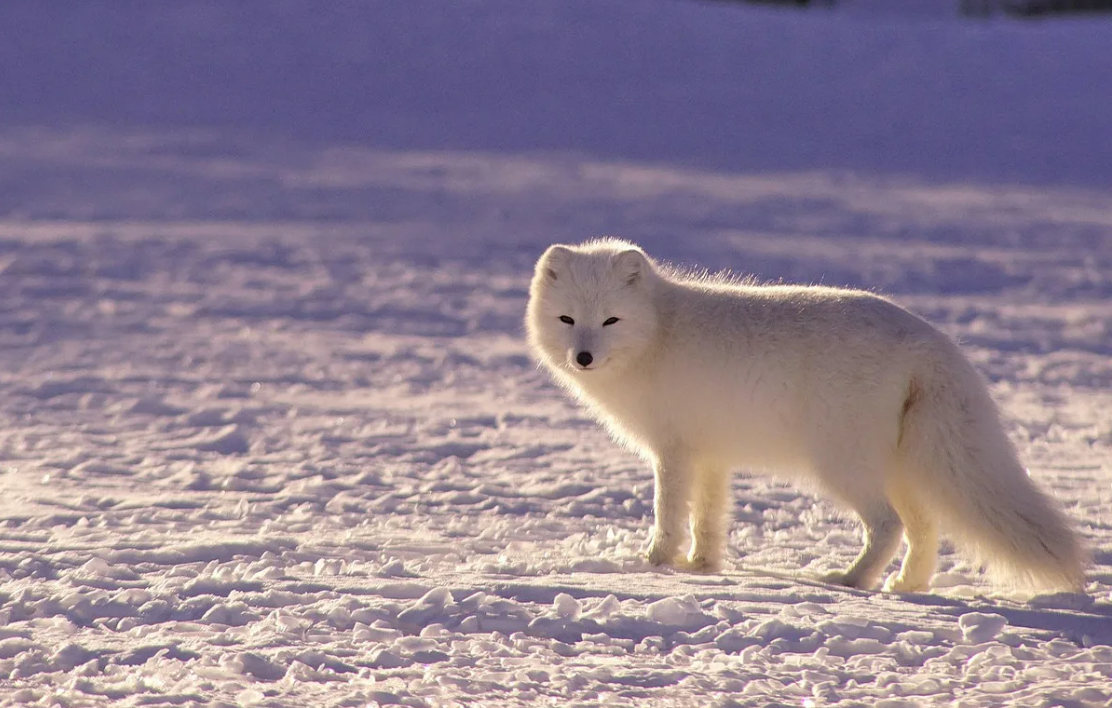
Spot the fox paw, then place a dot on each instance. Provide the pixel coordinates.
(702, 564)
(834, 577)
(661, 554)
(845, 579)
(898, 583)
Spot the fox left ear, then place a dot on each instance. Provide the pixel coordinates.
(631, 265)
(553, 260)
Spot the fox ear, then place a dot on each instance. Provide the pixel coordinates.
(631, 266)
(552, 260)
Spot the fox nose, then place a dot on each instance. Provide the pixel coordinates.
(584, 359)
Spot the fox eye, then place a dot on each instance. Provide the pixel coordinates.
(609, 321)
(567, 320)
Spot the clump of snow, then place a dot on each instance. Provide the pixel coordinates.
(681, 612)
(978, 627)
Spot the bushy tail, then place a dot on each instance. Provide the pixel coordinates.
(962, 462)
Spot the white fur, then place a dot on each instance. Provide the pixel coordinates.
(840, 387)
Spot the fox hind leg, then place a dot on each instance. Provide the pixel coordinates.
(882, 539)
(921, 534)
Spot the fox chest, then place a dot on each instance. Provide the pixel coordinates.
(655, 415)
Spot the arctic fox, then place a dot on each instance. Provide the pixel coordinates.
(840, 387)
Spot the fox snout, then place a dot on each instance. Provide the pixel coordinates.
(583, 354)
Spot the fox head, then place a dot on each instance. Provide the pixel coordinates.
(591, 307)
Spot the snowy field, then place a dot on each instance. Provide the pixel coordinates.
(269, 432)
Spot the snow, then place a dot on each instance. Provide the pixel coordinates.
(269, 432)
(978, 627)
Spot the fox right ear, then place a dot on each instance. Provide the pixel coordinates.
(553, 258)
(631, 265)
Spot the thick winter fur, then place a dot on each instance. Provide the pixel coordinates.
(840, 387)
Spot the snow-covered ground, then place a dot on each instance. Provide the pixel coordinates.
(269, 433)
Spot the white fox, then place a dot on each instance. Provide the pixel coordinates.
(841, 387)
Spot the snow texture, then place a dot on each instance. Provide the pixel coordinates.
(269, 432)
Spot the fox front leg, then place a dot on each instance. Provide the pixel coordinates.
(671, 508)
(710, 501)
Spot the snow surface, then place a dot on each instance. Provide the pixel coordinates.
(269, 433)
